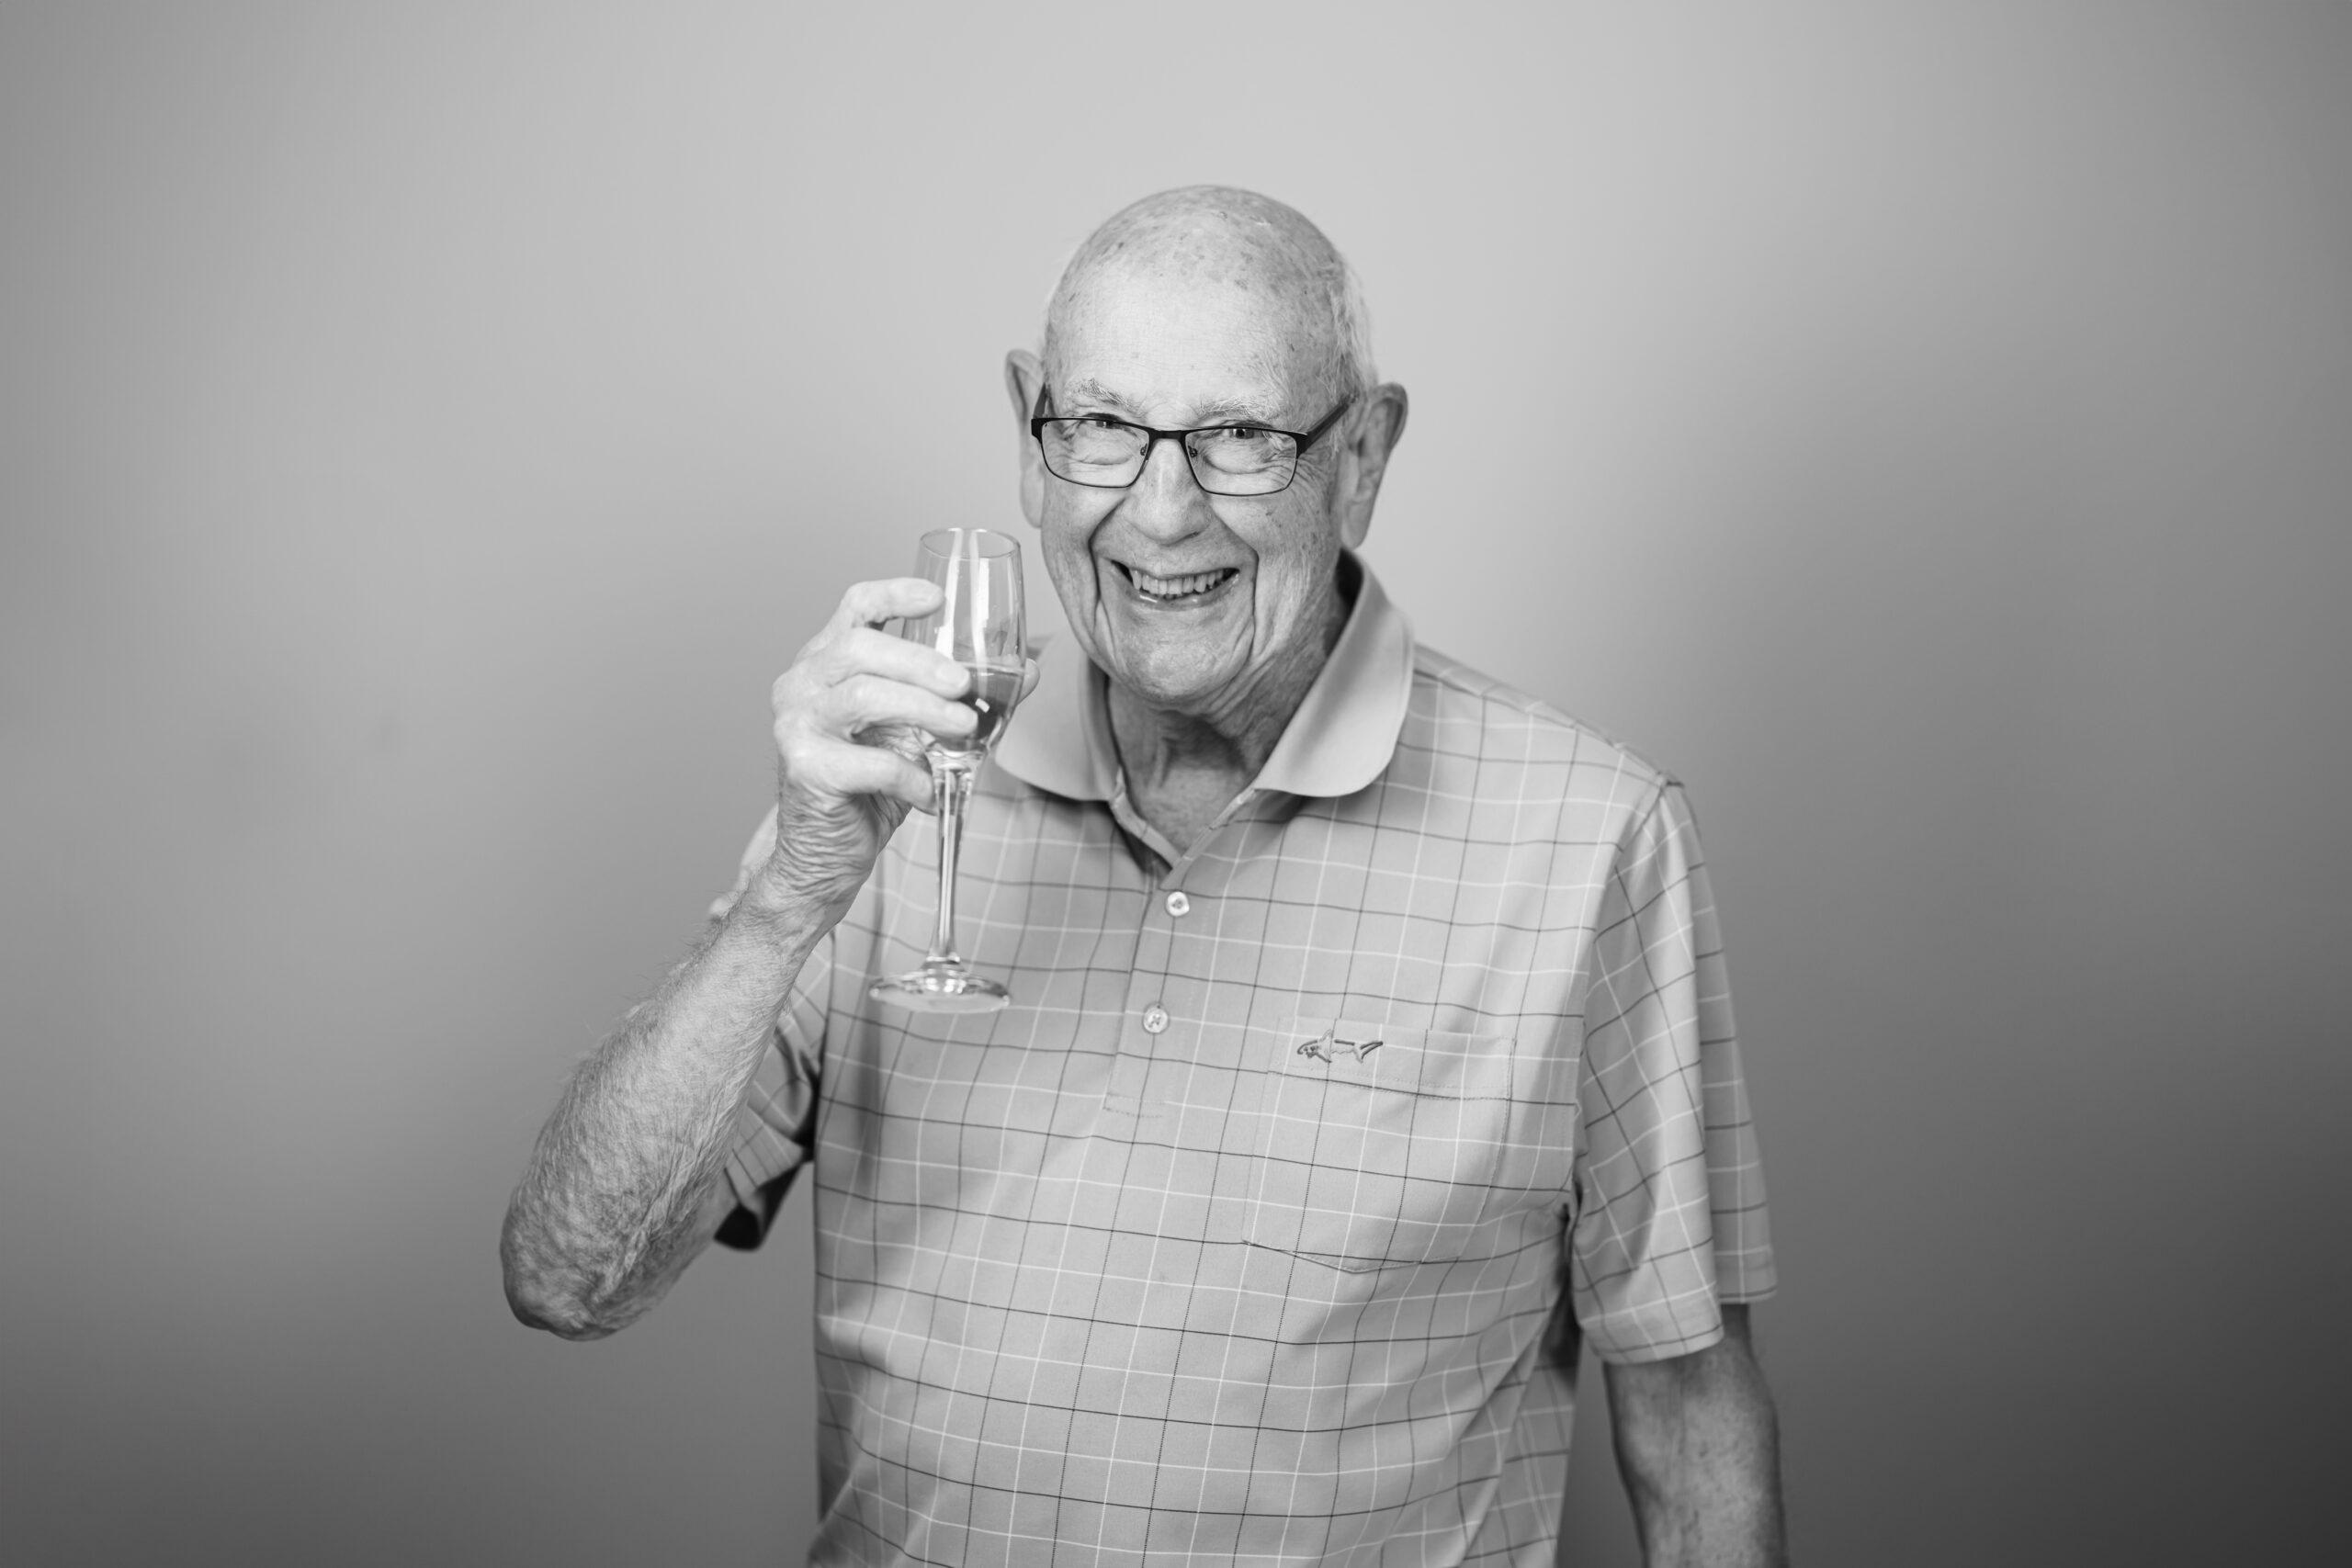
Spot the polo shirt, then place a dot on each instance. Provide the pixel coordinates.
(1237, 1235)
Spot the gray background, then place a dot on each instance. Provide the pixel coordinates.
(428, 429)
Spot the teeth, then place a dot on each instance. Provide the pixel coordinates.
(1177, 587)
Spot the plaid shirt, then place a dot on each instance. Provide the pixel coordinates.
(1238, 1234)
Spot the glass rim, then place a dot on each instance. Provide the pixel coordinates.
(985, 542)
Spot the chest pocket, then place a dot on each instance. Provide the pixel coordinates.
(1380, 1147)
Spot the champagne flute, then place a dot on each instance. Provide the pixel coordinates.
(980, 625)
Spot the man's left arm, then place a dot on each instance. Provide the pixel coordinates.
(1699, 1448)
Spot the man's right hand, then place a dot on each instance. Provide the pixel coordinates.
(849, 718)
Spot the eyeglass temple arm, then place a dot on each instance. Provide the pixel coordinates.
(1326, 423)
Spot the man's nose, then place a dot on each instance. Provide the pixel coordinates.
(1165, 502)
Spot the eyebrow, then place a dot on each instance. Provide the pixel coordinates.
(1221, 411)
(1088, 390)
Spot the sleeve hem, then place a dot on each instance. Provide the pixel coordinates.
(1632, 1355)
(746, 1225)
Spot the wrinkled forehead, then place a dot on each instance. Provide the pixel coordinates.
(1183, 348)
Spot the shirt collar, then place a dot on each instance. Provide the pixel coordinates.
(1339, 740)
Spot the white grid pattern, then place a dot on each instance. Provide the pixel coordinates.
(1086, 1293)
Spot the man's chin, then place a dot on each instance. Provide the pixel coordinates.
(1173, 686)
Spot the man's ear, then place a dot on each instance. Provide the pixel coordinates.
(1024, 377)
(1377, 426)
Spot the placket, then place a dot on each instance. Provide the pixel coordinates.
(1146, 1020)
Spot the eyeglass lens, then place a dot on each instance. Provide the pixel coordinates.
(1109, 454)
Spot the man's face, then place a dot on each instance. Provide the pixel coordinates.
(1188, 600)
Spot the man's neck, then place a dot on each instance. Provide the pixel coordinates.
(1183, 770)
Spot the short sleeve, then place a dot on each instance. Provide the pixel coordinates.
(776, 1121)
(1670, 1217)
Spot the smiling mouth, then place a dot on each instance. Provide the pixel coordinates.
(1171, 589)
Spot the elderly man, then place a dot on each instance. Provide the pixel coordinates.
(1369, 1022)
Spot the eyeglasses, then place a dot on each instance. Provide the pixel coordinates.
(1240, 458)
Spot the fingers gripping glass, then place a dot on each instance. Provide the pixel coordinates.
(1240, 459)
(978, 625)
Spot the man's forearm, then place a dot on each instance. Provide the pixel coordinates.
(622, 1187)
(1698, 1444)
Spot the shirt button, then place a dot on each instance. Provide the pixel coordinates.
(1178, 905)
(1154, 1019)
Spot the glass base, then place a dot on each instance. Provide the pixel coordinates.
(940, 987)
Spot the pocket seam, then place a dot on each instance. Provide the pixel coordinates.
(1489, 1079)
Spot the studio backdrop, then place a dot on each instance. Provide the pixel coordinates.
(425, 431)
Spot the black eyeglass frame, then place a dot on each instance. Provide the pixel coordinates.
(1301, 441)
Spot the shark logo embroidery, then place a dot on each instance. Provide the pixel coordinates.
(1329, 1047)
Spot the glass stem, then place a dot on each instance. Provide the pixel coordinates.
(951, 789)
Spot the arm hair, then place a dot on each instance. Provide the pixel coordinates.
(624, 1186)
(1698, 1446)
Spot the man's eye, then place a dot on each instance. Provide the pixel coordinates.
(1102, 421)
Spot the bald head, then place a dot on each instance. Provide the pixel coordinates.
(1224, 239)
